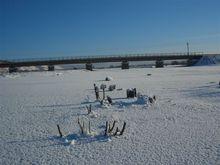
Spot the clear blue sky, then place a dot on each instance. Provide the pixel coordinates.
(49, 28)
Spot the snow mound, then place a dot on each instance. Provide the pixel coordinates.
(108, 78)
(207, 60)
(142, 99)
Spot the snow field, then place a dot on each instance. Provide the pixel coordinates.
(182, 127)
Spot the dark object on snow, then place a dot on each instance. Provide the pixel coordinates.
(89, 127)
(109, 99)
(108, 79)
(109, 129)
(89, 109)
(131, 93)
(116, 132)
(89, 66)
(106, 128)
(125, 65)
(61, 135)
(103, 86)
(135, 92)
(81, 126)
(111, 87)
(148, 74)
(96, 92)
(151, 100)
(12, 69)
(123, 129)
(50, 67)
(159, 64)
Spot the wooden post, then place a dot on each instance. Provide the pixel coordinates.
(61, 135)
(103, 94)
(123, 129)
(89, 66)
(125, 65)
(159, 64)
(116, 131)
(113, 125)
(106, 128)
(80, 126)
(89, 109)
(50, 67)
(89, 128)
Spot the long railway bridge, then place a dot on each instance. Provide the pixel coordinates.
(88, 60)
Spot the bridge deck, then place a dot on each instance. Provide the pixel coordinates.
(100, 59)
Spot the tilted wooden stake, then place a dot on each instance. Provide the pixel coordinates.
(61, 135)
(106, 128)
(89, 109)
(81, 127)
(116, 132)
(123, 128)
(111, 128)
(89, 128)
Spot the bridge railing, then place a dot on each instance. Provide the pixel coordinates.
(104, 56)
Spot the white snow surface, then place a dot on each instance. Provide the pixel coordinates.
(182, 127)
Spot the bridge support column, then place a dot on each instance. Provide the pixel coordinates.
(12, 69)
(50, 67)
(159, 64)
(125, 65)
(191, 62)
(89, 66)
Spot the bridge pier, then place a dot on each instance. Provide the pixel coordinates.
(124, 65)
(12, 69)
(159, 64)
(50, 67)
(89, 66)
(191, 62)
(99, 59)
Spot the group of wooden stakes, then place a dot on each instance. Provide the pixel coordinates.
(109, 128)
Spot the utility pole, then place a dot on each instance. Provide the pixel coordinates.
(187, 44)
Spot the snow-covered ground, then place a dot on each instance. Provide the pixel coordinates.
(182, 127)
